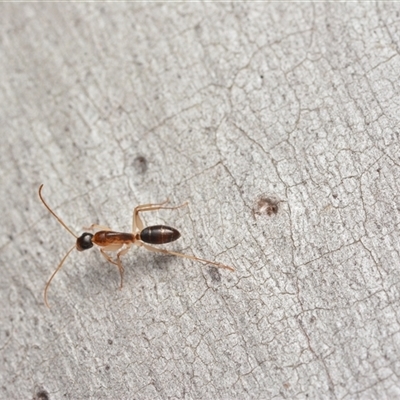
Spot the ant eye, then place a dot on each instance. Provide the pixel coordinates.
(84, 241)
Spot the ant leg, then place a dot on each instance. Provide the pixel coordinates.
(118, 263)
(173, 253)
(107, 257)
(120, 267)
(137, 223)
(96, 227)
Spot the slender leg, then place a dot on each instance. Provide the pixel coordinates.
(120, 267)
(118, 263)
(173, 253)
(107, 257)
(137, 223)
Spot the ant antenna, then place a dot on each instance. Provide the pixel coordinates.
(53, 275)
(54, 214)
(69, 251)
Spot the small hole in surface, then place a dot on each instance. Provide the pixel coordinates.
(140, 164)
(214, 274)
(266, 206)
(42, 395)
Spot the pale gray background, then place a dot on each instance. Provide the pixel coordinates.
(227, 103)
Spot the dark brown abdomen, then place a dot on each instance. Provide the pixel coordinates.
(159, 234)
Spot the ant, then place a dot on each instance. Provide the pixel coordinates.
(110, 241)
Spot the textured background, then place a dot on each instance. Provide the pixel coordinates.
(228, 106)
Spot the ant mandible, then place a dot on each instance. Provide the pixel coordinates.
(110, 241)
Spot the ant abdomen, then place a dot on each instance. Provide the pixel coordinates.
(159, 234)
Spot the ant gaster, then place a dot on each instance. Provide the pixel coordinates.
(120, 242)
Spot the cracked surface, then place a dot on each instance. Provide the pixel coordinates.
(114, 105)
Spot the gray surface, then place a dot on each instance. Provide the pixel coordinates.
(228, 103)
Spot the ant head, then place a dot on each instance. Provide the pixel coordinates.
(84, 241)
